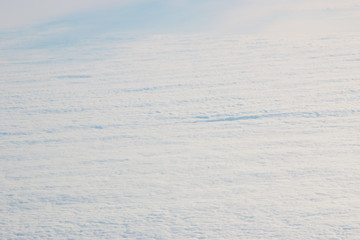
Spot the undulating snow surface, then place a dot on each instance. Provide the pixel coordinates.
(180, 137)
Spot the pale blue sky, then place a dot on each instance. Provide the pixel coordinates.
(244, 16)
(26, 12)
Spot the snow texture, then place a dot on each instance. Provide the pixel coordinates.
(180, 137)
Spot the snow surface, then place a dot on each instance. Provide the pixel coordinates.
(180, 137)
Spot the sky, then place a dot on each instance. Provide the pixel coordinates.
(241, 16)
(16, 13)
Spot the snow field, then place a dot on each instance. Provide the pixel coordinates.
(181, 137)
